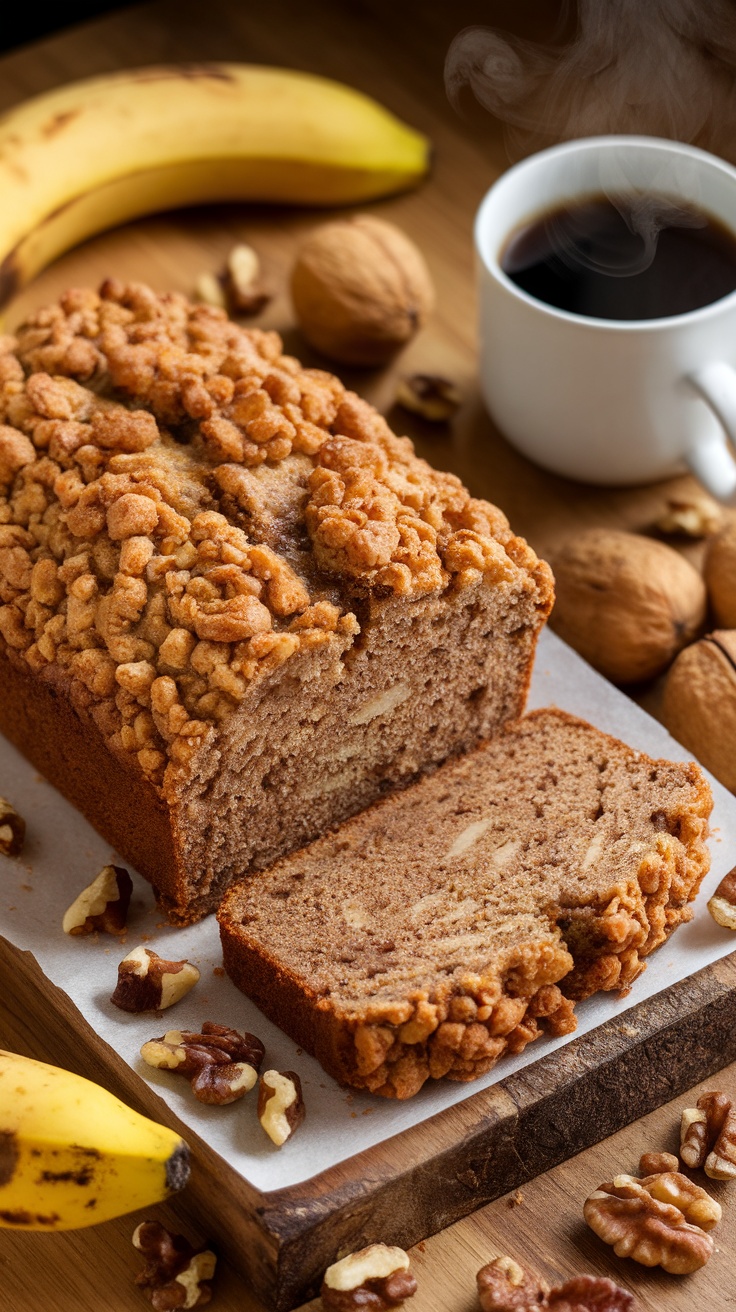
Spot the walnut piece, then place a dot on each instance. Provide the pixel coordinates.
(691, 515)
(244, 292)
(176, 1275)
(434, 398)
(657, 1163)
(504, 1286)
(221, 1064)
(708, 1136)
(146, 982)
(722, 905)
(590, 1294)
(626, 1214)
(102, 906)
(280, 1105)
(12, 829)
(376, 1277)
(208, 289)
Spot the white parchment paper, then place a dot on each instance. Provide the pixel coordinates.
(63, 854)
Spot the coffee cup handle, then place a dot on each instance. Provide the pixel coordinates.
(711, 460)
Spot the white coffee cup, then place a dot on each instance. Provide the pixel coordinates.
(602, 400)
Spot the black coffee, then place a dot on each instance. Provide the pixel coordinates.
(629, 257)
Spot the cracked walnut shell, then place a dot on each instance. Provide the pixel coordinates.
(626, 603)
(361, 289)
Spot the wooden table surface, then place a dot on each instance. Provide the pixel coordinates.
(395, 53)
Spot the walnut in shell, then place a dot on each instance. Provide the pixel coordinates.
(360, 289)
(628, 604)
(719, 572)
(699, 703)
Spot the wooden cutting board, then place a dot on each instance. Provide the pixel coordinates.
(419, 1182)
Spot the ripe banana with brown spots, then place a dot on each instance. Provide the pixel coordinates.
(71, 1154)
(96, 153)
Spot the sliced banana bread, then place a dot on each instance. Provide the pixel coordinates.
(453, 922)
(235, 608)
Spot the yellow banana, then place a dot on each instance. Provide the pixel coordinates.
(96, 153)
(72, 1155)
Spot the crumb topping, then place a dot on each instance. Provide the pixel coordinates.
(183, 508)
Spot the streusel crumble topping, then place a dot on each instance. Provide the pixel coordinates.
(183, 507)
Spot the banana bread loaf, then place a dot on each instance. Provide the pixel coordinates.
(235, 607)
(455, 921)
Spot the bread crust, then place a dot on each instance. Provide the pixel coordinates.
(66, 746)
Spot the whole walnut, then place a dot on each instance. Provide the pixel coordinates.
(719, 572)
(626, 603)
(699, 703)
(360, 289)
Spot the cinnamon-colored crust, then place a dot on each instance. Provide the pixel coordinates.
(454, 1023)
(68, 749)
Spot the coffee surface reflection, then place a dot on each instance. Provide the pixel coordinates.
(623, 257)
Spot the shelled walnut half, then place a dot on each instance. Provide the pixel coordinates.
(660, 1220)
(221, 1064)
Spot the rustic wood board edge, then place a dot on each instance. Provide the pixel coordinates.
(417, 1183)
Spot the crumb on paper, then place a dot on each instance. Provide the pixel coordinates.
(219, 971)
(367, 1111)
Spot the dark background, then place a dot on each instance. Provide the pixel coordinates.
(20, 28)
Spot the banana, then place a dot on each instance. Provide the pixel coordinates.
(72, 1155)
(100, 152)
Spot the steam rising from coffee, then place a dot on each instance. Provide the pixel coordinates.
(662, 68)
(644, 215)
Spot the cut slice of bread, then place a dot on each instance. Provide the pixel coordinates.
(452, 923)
